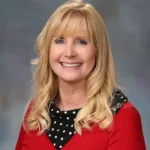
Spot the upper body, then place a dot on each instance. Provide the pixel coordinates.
(126, 134)
(75, 70)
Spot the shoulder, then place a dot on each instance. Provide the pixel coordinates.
(29, 108)
(127, 121)
(23, 134)
(128, 106)
(126, 115)
(127, 129)
(120, 104)
(128, 112)
(27, 112)
(123, 109)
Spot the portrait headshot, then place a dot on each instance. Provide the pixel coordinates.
(77, 103)
(80, 95)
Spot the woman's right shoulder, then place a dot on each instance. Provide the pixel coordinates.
(30, 103)
(23, 134)
(28, 108)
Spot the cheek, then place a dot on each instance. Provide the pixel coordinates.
(52, 58)
(92, 63)
(89, 62)
(53, 54)
(91, 59)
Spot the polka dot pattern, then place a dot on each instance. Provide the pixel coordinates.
(62, 126)
(119, 99)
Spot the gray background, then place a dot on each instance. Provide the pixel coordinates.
(128, 26)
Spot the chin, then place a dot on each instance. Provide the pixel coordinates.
(71, 80)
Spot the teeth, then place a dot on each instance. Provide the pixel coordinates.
(70, 65)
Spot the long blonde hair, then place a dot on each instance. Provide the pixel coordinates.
(68, 19)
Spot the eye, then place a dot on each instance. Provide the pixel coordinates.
(82, 42)
(59, 41)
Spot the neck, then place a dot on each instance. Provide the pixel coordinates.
(71, 95)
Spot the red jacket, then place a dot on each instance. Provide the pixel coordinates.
(126, 134)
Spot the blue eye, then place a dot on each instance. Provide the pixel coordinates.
(59, 41)
(82, 42)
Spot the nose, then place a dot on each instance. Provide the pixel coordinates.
(69, 51)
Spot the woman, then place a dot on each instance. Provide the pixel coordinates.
(77, 103)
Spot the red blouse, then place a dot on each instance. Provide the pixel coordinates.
(126, 134)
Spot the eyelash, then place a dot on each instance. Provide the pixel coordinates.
(57, 41)
(60, 41)
(83, 42)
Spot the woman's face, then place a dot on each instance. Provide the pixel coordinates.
(72, 58)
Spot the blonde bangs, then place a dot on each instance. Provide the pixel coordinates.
(73, 22)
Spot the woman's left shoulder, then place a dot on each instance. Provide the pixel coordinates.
(129, 106)
(126, 128)
(129, 113)
(123, 109)
(121, 104)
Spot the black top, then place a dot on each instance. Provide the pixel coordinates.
(62, 125)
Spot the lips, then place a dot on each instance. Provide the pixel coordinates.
(70, 65)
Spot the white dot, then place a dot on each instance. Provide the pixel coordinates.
(74, 119)
(57, 129)
(67, 118)
(55, 137)
(66, 125)
(54, 122)
(72, 125)
(114, 109)
(65, 112)
(49, 135)
(60, 124)
(70, 133)
(60, 117)
(62, 138)
(121, 96)
(74, 132)
(64, 131)
(73, 112)
(60, 146)
(52, 109)
(54, 144)
(52, 129)
(57, 111)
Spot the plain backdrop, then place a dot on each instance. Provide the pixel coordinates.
(21, 21)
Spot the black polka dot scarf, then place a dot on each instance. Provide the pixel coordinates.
(62, 127)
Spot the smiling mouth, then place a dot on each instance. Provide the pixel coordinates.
(70, 65)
